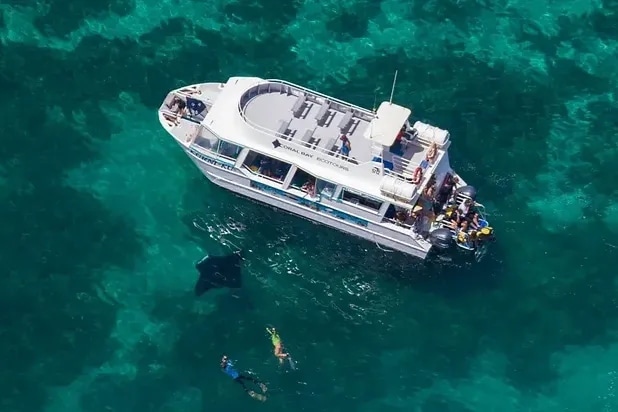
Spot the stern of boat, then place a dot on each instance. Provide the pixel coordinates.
(444, 236)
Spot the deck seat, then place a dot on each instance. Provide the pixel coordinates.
(283, 126)
(322, 114)
(345, 122)
(298, 107)
(331, 146)
(306, 137)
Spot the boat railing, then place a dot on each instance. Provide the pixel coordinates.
(405, 168)
(272, 133)
(404, 173)
(401, 164)
(327, 97)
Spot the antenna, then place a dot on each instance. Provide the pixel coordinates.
(393, 89)
(375, 99)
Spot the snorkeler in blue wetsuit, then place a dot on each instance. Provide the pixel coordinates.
(228, 368)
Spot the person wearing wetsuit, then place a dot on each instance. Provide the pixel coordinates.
(228, 369)
(276, 340)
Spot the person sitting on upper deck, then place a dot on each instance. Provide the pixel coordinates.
(432, 153)
(179, 107)
(400, 134)
(346, 146)
(417, 177)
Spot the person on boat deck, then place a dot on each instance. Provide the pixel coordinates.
(276, 341)
(473, 239)
(474, 220)
(462, 235)
(427, 199)
(447, 187)
(264, 168)
(346, 146)
(401, 216)
(447, 191)
(400, 135)
(417, 219)
(430, 193)
(279, 171)
(454, 217)
(177, 106)
(465, 206)
(228, 368)
(432, 153)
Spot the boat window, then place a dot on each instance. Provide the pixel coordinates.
(360, 200)
(303, 181)
(326, 189)
(229, 150)
(400, 216)
(308, 183)
(207, 139)
(266, 166)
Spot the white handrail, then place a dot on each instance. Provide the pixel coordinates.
(296, 86)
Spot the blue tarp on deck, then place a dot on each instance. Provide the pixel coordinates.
(195, 106)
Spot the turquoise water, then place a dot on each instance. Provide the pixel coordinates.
(104, 217)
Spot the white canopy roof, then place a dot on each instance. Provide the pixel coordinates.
(389, 120)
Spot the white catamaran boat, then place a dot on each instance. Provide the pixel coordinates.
(372, 174)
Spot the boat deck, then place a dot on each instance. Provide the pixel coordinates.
(317, 122)
(308, 120)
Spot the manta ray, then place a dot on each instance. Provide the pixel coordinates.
(219, 272)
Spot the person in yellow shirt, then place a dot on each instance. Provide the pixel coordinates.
(276, 340)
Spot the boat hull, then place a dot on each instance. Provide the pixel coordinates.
(237, 182)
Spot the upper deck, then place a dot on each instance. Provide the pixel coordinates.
(308, 119)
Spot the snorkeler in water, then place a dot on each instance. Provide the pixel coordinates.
(228, 368)
(276, 340)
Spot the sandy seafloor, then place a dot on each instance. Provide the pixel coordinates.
(103, 216)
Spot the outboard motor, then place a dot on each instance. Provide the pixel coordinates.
(441, 238)
(468, 191)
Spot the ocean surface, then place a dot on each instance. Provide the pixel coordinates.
(103, 217)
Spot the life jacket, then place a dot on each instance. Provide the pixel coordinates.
(462, 237)
(486, 231)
